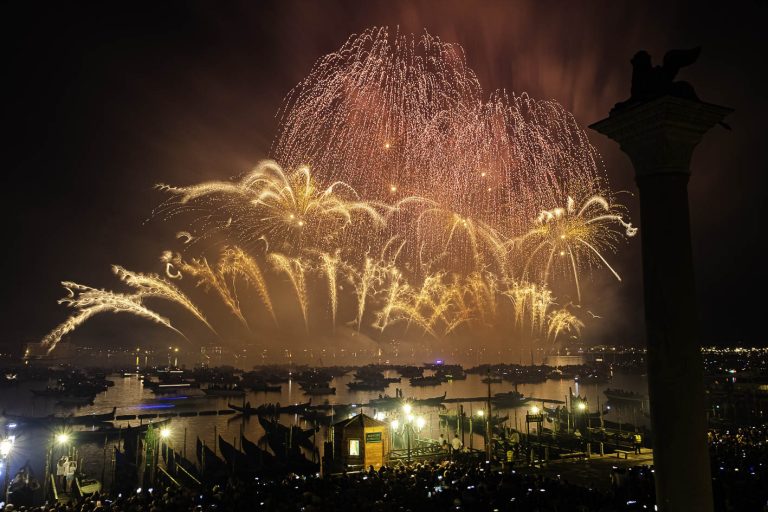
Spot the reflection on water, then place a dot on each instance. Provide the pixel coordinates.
(130, 397)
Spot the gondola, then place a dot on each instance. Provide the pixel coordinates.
(211, 464)
(430, 402)
(279, 435)
(246, 410)
(86, 419)
(263, 457)
(296, 408)
(111, 431)
(237, 462)
(263, 387)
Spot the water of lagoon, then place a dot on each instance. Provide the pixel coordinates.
(131, 397)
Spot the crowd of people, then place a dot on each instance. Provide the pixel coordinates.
(449, 485)
(739, 463)
(739, 460)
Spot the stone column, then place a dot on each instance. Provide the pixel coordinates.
(659, 136)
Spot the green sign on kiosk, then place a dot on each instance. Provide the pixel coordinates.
(373, 437)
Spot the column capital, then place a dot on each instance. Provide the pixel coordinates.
(659, 135)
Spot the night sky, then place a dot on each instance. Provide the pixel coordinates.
(100, 105)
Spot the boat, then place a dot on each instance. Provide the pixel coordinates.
(295, 408)
(427, 381)
(593, 378)
(453, 374)
(410, 371)
(620, 395)
(510, 399)
(234, 391)
(377, 385)
(263, 387)
(50, 392)
(288, 457)
(210, 463)
(317, 417)
(77, 401)
(236, 460)
(251, 449)
(28, 420)
(160, 387)
(278, 434)
(110, 431)
(70, 388)
(319, 390)
(491, 380)
(385, 402)
(246, 410)
(429, 402)
(555, 374)
(87, 419)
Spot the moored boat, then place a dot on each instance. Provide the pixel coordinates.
(621, 395)
(432, 380)
(371, 385)
(319, 390)
(510, 399)
(233, 391)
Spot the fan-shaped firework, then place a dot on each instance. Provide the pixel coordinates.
(289, 211)
(570, 238)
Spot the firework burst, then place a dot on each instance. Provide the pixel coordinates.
(440, 209)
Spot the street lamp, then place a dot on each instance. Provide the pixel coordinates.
(59, 439)
(164, 434)
(480, 413)
(6, 445)
(534, 415)
(583, 409)
(409, 423)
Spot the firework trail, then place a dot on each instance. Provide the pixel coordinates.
(90, 302)
(151, 285)
(235, 261)
(329, 267)
(362, 281)
(208, 278)
(294, 269)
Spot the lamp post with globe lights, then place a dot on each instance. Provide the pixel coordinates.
(60, 439)
(6, 447)
(410, 424)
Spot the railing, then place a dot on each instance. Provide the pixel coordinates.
(55, 490)
(428, 449)
(421, 449)
(187, 474)
(168, 476)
